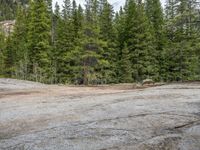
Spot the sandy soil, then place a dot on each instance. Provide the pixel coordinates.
(34, 116)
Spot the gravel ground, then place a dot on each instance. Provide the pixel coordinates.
(39, 117)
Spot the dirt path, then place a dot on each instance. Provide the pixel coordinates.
(44, 117)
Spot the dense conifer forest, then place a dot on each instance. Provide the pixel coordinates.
(8, 8)
(93, 44)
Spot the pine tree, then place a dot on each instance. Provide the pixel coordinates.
(106, 22)
(169, 65)
(156, 18)
(75, 20)
(57, 10)
(119, 26)
(93, 62)
(140, 42)
(19, 40)
(64, 44)
(66, 9)
(181, 31)
(80, 17)
(107, 34)
(16, 48)
(50, 15)
(56, 18)
(75, 55)
(39, 41)
(120, 21)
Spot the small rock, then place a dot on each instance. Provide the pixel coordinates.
(147, 82)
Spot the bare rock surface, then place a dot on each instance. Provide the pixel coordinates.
(13, 84)
(40, 117)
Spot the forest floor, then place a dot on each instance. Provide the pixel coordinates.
(34, 116)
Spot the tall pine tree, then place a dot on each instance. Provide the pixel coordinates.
(107, 34)
(39, 41)
(19, 40)
(140, 42)
(156, 17)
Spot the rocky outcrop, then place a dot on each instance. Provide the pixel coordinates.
(7, 26)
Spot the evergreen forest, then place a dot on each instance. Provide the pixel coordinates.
(94, 44)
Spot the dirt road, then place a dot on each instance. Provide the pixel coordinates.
(40, 117)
